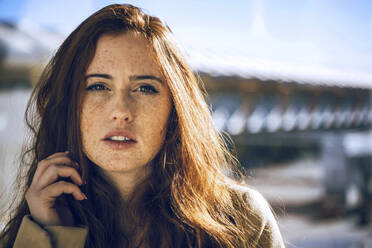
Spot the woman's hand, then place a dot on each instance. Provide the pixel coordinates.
(44, 197)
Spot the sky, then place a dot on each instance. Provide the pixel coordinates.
(323, 33)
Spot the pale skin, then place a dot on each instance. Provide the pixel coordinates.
(125, 92)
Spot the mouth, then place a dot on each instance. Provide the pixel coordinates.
(120, 136)
(119, 142)
(120, 139)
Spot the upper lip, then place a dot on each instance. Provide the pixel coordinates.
(124, 133)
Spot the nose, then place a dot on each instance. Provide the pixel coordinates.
(121, 111)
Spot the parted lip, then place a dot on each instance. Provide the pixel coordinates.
(124, 133)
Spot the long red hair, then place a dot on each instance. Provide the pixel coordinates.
(188, 200)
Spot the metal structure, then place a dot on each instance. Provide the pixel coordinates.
(271, 119)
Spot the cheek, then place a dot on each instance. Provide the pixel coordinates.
(157, 116)
(155, 122)
(91, 114)
(92, 108)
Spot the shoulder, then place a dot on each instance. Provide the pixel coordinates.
(254, 199)
(31, 234)
(260, 216)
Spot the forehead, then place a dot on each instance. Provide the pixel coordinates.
(123, 51)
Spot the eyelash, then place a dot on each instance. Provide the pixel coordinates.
(96, 87)
(145, 89)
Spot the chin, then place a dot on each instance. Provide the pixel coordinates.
(121, 166)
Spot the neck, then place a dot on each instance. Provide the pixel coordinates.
(127, 181)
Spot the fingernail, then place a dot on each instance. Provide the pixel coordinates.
(67, 152)
(85, 197)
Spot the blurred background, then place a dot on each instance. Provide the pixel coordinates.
(290, 81)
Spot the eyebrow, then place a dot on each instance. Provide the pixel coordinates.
(131, 78)
(98, 75)
(146, 77)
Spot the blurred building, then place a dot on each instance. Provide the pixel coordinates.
(23, 54)
(275, 116)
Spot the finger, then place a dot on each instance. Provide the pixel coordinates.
(54, 190)
(52, 173)
(57, 154)
(44, 164)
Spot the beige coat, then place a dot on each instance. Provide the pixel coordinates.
(32, 235)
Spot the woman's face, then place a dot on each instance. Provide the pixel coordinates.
(126, 97)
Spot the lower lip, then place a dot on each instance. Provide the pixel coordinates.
(117, 145)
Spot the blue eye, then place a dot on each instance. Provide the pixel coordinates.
(96, 87)
(147, 89)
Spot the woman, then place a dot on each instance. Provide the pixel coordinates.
(144, 163)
